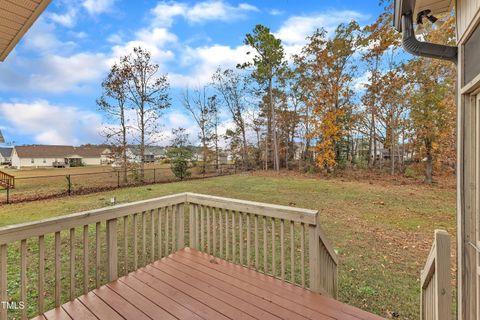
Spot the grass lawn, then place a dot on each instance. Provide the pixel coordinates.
(381, 230)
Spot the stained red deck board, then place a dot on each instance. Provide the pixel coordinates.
(142, 303)
(122, 306)
(286, 290)
(271, 289)
(173, 307)
(57, 314)
(192, 304)
(222, 283)
(98, 307)
(194, 285)
(224, 295)
(76, 310)
(212, 301)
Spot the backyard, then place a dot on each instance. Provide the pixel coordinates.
(381, 228)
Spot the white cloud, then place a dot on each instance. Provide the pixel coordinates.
(296, 29)
(67, 19)
(39, 119)
(42, 38)
(165, 12)
(360, 82)
(154, 40)
(70, 17)
(62, 74)
(204, 61)
(115, 38)
(95, 7)
(54, 73)
(275, 12)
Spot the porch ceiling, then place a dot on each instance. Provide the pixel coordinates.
(16, 17)
(416, 6)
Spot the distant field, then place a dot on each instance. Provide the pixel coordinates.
(41, 183)
(36, 172)
(382, 230)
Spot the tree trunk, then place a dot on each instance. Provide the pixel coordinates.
(274, 128)
(124, 145)
(217, 152)
(429, 164)
(142, 142)
(245, 152)
(372, 146)
(392, 153)
(266, 152)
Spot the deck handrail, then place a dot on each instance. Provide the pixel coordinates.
(435, 281)
(122, 238)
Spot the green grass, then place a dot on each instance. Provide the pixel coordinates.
(382, 232)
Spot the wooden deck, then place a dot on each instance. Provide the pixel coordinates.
(193, 285)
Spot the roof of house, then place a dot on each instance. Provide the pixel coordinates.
(6, 152)
(48, 151)
(16, 17)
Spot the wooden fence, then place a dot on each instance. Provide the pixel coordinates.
(435, 281)
(7, 181)
(46, 263)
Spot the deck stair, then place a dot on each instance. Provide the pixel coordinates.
(7, 181)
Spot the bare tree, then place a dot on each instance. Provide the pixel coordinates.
(113, 104)
(199, 106)
(147, 92)
(214, 110)
(232, 89)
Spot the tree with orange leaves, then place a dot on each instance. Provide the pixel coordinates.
(327, 68)
(432, 102)
(380, 38)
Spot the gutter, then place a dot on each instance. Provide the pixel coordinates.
(425, 49)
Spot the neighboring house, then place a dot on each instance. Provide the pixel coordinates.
(107, 156)
(5, 155)
(48, 155)
(361, 151)
(152, 154)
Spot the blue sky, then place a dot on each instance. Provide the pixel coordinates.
(49, 83)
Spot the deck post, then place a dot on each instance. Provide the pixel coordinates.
(3, 280)
(435, 280)
(180, 226)
(314, 257)
(112, 251)
(191, 224)
(443, 274)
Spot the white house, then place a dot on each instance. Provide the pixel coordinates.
(47, 155)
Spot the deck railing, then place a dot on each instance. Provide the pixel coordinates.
(7, 181)
(435, 281)
(46, 263)
(268, 238)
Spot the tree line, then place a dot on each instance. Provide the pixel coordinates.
(350, 98)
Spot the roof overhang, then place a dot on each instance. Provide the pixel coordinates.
(402, 7)
(16, 17)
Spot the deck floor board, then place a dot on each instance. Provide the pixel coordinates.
(193, 285)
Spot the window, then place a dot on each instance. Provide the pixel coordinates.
(472, 49)
(44, 160)
(32, 161)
